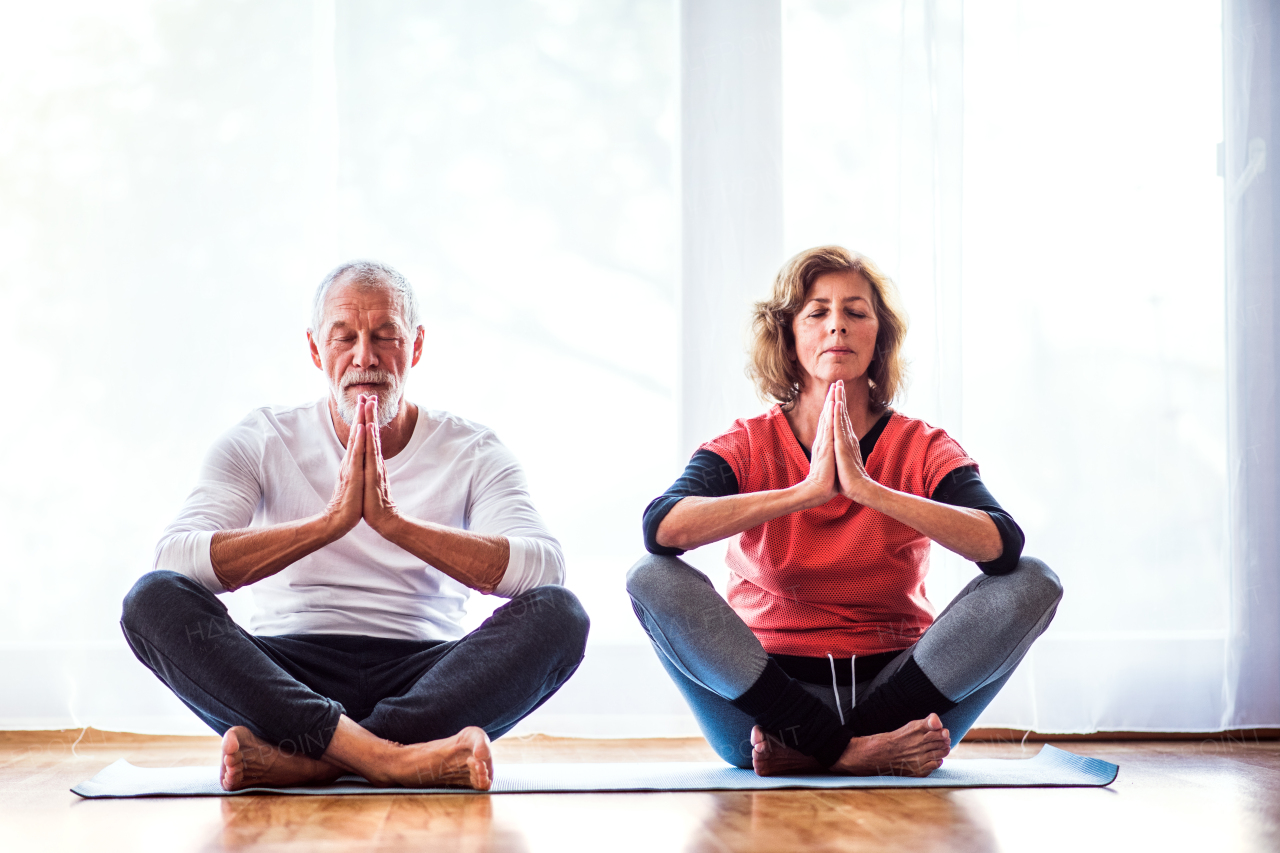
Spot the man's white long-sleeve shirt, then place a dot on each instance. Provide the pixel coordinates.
(281, 465)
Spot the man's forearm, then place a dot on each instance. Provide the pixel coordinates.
(474, 559)
(243, 557)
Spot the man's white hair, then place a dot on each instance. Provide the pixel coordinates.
(366, 274)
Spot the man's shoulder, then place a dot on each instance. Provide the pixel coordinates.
(289, 419)
(287, 423)
(440, 427)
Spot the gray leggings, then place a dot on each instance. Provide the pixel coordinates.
(968, 653)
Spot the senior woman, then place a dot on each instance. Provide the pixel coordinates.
(827, 656)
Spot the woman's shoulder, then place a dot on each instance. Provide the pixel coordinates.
(764, 427)
(917, 445)
(751, 438)
(906, 427)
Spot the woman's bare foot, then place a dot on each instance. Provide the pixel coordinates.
(916, 749)
(249, 761)
(461, 761)
(770, 758)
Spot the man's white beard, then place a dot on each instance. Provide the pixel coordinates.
(346, 398)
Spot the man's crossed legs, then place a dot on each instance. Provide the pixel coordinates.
(305, 709)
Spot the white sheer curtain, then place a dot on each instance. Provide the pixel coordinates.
(1075, 344)
(174, 182)
(588, 196)
(1251, 38)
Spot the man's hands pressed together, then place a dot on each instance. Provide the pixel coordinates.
(379, 509)
(363, 491)
(346, 507)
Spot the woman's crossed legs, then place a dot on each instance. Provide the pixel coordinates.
(904, 720)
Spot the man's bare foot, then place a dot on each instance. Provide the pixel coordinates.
(770, 758)
(249, 761)
(462, 761)
(916, 749)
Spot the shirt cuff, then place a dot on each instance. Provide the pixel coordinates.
(188, 554)
(533, 562)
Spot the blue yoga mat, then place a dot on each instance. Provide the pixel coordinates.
(1052, 768)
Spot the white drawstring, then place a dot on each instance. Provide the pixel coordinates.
(834, 687)
(853, 683)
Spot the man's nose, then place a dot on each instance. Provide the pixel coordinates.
(363, 354)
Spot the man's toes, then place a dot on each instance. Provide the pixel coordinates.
(231, 776)
(479, 774)
(230, 742)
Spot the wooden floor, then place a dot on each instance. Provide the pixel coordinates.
(1217, 795)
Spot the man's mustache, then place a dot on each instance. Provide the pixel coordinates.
(361, 377)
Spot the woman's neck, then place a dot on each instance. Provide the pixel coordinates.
(803, 416)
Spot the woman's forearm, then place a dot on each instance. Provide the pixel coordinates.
(697, 521)
(968, 532)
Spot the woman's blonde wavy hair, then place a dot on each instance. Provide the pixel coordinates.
(773, 366)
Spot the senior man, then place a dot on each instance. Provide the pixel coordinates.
(362, 522)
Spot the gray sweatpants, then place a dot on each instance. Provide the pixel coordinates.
(968, 653)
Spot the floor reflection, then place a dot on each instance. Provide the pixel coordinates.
(917, 820)
(462, 822)
(846, 820)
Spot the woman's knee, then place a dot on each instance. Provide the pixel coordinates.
(653, 575)
(1040, 584)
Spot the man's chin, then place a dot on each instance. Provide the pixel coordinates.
(348, 403)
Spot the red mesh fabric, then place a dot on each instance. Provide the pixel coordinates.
(840, 578)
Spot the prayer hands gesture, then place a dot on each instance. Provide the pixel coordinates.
(363, 490)
(835, 466)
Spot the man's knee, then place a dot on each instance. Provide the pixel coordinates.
(1040, 584)
(152, 595)
(555, 610)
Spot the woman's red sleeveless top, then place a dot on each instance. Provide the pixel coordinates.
(840, 578)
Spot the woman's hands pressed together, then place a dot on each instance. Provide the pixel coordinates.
(835, 468)
(835, 460)
(822, 483)
(851, 475)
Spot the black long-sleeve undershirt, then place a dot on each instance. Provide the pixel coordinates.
(708, 475)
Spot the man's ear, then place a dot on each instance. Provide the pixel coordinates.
(315, 351)
(417, 345)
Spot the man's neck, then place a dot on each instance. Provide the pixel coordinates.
(395, 435)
